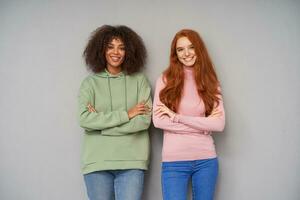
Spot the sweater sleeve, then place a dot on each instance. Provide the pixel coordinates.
(92, 121)
(139, 122)
(205, 123)
(164, 122)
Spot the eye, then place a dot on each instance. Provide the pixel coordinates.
(122, 48)
(179, 49)
(192, 47)
(110, 47)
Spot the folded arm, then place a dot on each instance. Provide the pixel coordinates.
(214, 122)
(164, 121)
(91, 121)
(139, 122)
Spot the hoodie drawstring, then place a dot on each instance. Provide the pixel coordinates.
(110, 97)
(125, 91)
(108, 81)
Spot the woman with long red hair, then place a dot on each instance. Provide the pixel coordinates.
(188, 106)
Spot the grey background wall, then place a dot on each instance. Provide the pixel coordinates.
(255, 46)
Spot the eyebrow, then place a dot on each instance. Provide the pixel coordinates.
(183, 47)
(117, 45)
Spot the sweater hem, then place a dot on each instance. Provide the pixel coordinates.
(174, 158)
(114, 165)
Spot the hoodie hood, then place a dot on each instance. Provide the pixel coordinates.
(106, 74)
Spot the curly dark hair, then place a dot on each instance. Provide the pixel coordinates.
(135, 51)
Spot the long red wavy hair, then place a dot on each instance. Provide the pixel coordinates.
(205, 75)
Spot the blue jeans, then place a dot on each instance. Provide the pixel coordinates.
(176, 176)
(115, 184)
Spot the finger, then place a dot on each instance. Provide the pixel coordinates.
(164, 106)
(141, 106)
(142, 110)
(215, 110)
(93, 109)
(138, 106)
(145, 112)
(161, 112)
(159, 106)
(148, 108)
(161, 115)
(157, 111)
(216, 115)
(138, 112)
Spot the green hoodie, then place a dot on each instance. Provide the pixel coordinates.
(112, 140)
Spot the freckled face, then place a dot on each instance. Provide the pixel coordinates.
(115, 54)
(185, 52)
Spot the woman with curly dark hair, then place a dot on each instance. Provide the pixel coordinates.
(114, 110)
(188, 106)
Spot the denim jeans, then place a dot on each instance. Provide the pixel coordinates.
(115, 184)
(176, 176)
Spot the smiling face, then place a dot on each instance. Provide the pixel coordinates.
(185, 52)
(115, 54)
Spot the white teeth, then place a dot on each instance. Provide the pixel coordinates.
(115, 59)
(188, 59)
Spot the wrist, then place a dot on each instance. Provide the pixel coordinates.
(129, 115)
(174, 118)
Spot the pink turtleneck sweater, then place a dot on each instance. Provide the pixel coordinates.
(187, 136)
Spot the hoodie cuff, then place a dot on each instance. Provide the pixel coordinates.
(124, 117)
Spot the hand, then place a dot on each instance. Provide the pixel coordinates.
(215, 113)
(162, 109)
(91, 108)
(139, 109)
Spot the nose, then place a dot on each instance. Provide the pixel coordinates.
(115, 51)
(186, 52)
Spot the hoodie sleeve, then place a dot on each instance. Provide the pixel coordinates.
(139, 122)
(91, 121)
(165, 122)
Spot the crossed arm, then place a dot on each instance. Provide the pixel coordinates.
(118, 122)
(166, 119)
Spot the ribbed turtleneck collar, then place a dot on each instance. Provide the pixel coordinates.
(188, 72)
